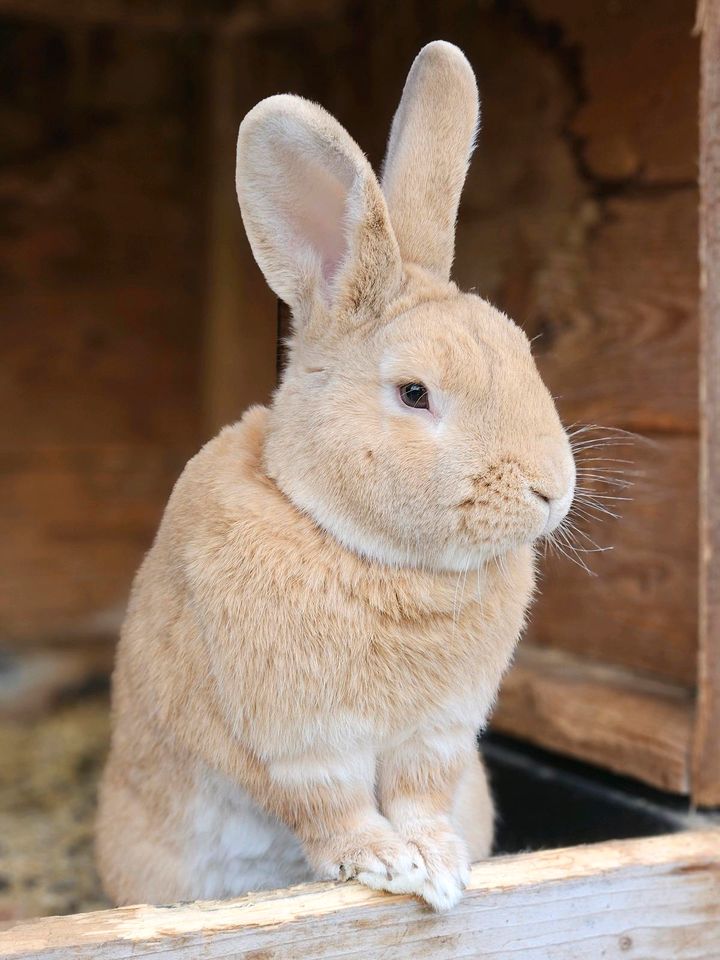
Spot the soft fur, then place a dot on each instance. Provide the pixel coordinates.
(339, 581)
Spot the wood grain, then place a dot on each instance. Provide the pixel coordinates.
(706, 765)
(600, 714)
(648, 898)
(617, 315)
(639, 68)
(638, 609)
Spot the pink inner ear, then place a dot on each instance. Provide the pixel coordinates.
(315, 208)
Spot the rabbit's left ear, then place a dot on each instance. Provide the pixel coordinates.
(431, 140)
(315, 215)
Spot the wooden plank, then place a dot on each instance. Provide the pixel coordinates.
(639, 611)
(706, 765)
(654, 898)
(636, 118)
(604, 715)
(619, 345)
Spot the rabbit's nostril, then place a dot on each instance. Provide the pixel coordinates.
(541, 495)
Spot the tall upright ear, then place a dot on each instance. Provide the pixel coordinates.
(313, 210)
(431, 141)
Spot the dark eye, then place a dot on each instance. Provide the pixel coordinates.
(414, 395)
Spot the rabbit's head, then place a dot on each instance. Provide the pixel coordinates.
(411, 423)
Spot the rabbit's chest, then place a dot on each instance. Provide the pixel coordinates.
(450, 669)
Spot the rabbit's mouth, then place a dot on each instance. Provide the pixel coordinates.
(505, 508)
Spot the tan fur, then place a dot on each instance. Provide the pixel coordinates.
(339, 581)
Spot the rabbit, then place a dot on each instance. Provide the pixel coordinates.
(339, 580)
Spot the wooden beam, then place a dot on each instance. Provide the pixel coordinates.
(605, 715)
(706, 759)
(653, 897)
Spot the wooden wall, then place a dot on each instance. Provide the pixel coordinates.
(102, 247)
(129, 334)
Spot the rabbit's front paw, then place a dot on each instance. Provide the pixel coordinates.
(379, 859)
(445, 857)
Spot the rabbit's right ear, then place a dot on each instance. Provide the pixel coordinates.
(431, 140)
(314, 212)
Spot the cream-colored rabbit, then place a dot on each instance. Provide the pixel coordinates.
(339, 581)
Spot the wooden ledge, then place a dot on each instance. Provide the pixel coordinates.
(656, 897)
(622, 721)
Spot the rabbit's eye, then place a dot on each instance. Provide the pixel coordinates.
(414, 395)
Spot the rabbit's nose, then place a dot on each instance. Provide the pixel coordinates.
(557, 506)
(541, 494)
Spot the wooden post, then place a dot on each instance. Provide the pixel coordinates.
(706, 759)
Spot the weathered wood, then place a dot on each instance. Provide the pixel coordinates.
(639, 611)
(619, 345)
(647, 898)
(706, 766)
(619, 348)
(601, 714)
(636, 119)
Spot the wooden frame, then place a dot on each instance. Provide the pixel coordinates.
(654, 898)
(706, 756)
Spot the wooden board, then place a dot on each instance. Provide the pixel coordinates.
(706, 769)
(653, 898)
(619, 348)
(639, 609)
(636, 119)
(611, 717)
